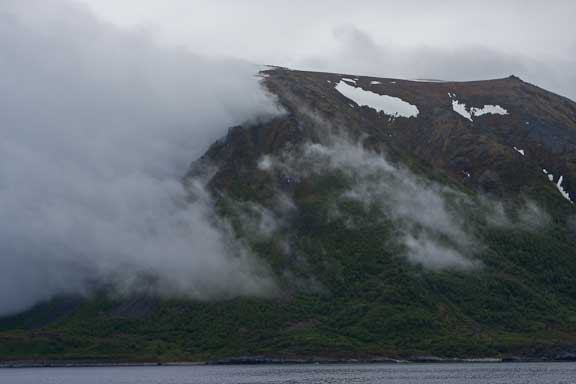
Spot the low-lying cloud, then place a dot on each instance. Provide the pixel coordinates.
(435, 224)
(432, 234)
(97, 126)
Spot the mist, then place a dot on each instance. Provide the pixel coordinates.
(432, 233)
(97, 126)
(435, 224)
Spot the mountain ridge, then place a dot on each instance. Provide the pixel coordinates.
(389, 236)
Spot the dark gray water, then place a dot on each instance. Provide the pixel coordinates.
(538, 373)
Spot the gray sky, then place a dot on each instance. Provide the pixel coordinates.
(280, 29)
(453, 39)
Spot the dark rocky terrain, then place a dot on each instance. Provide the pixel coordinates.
(540, 123)
(390, 237)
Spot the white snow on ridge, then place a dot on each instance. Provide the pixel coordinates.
(390, 105)
(461, 109)
(565, 194)
(558, 185)
(550, 176)
(350, 80)
(492, 109)
(520, 151)
(470, 113)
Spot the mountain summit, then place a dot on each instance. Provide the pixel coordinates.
(500, 136)
(398, 219)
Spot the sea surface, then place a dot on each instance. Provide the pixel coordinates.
(514, 373)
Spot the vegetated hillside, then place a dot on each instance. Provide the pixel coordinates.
(448, 231)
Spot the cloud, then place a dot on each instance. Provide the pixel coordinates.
(98, 125)
(431, 254)
(358, 53)
(435, 224)
(433, 234)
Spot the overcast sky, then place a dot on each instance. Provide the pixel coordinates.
(451, 39)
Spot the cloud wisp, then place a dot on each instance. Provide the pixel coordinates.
(432, 234)
(435, 224)
(98, 125)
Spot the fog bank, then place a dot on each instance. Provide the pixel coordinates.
(97, 126)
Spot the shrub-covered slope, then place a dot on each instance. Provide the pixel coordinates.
(388, 236)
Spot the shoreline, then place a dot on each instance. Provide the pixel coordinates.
(272, 361)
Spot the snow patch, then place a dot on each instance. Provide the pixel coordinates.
(558, 185)
(488, 109)
(461, 109)
(564, 193)
(375, 82)
(390, 105)
(469, 113)
(520, 151)
(550, 176)
(350, 80)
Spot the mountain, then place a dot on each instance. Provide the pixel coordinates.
(399, 218)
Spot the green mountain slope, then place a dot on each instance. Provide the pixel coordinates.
(389, 237)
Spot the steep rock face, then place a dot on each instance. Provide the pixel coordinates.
(490, 152)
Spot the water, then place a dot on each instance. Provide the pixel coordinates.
(537, 373)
